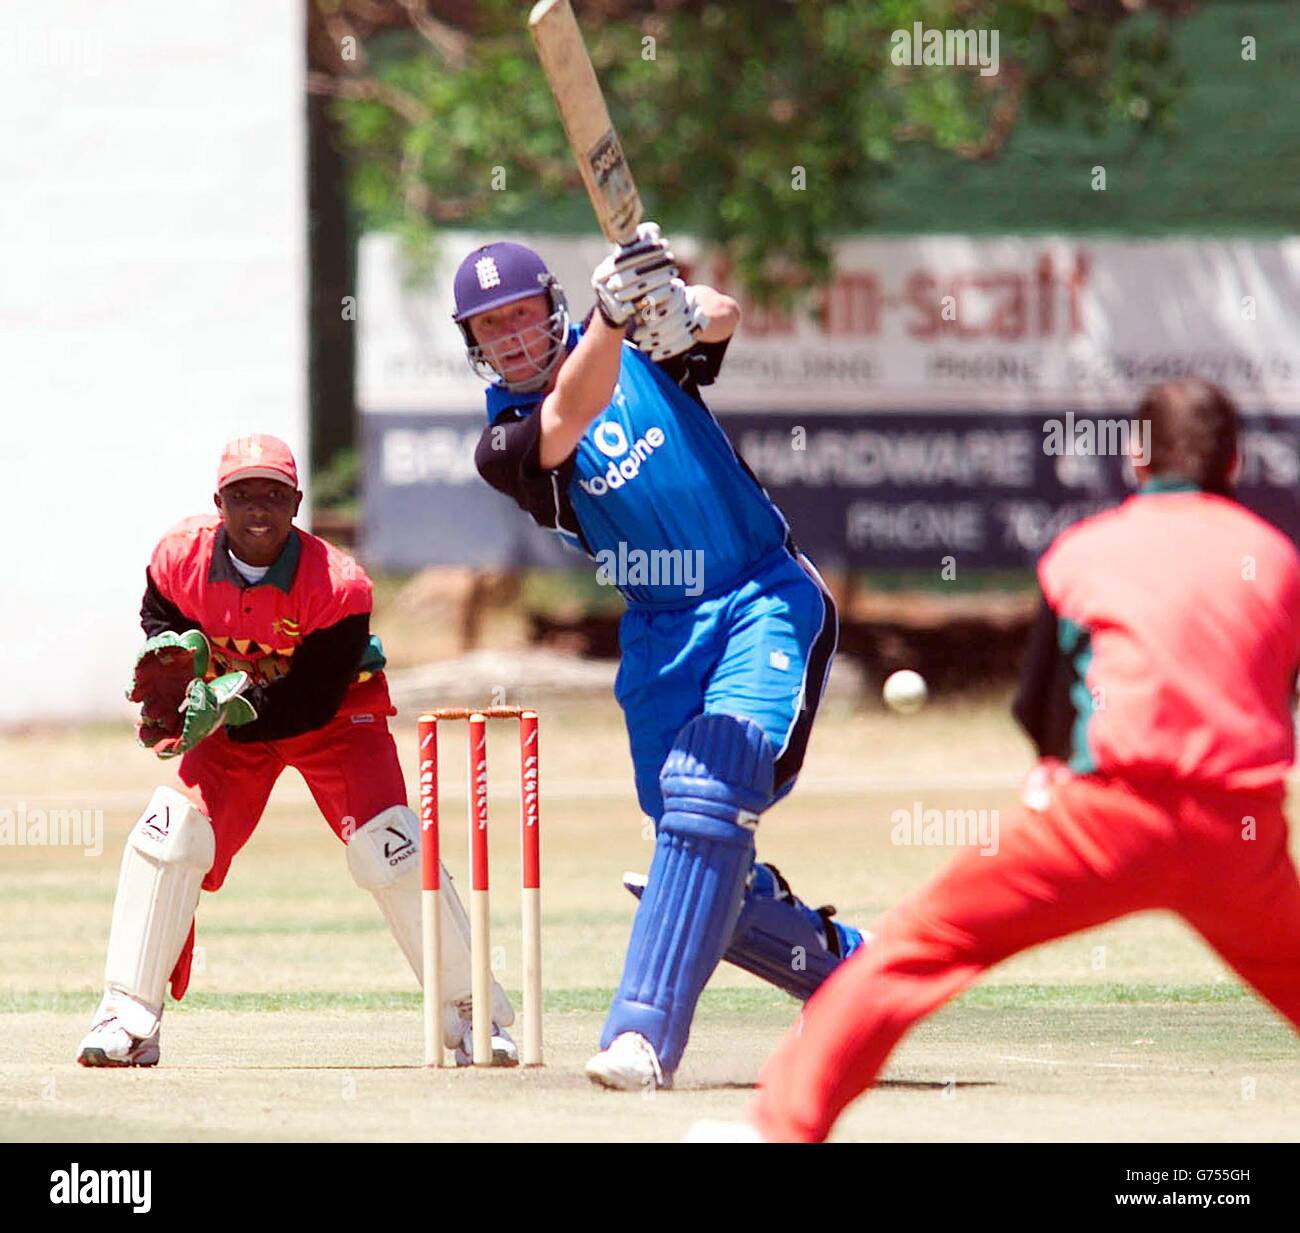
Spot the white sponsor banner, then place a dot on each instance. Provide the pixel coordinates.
(933, 322)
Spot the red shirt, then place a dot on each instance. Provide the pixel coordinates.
(257, 628)
(1181, 613)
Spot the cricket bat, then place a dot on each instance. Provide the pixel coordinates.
(592, 138)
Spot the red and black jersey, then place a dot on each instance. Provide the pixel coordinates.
(302, 632)
(1168, 643)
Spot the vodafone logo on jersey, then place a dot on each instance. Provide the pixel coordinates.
(611, 440)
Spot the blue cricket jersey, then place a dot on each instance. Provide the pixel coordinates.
(654, 492)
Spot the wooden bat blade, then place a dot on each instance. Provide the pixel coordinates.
(581, 103)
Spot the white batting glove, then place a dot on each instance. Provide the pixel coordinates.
(669, 322)
(631, 273)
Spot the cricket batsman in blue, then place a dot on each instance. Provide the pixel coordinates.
(599, 432)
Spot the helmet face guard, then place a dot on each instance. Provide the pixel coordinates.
(494, 276)
(553, 332)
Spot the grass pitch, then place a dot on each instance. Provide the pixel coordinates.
(303, 1021)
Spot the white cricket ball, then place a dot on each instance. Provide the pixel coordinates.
(905, 691)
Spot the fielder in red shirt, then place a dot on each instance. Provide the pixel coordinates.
(262, 632)
(1158, 688)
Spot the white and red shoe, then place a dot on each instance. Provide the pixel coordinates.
(108, 1043)
(630, 1064)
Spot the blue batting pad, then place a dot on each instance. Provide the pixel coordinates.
(779, 938)
(783, 941)
(715, 782)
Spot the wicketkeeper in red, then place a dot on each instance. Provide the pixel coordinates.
(1158, 688)
(260, 657)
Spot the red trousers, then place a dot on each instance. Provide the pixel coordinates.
(1102, 849)
(351, 768)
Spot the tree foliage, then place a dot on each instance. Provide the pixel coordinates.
(760, 125)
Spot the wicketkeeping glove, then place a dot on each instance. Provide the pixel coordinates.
(632, 273)
(207, 706)
(164, 668)
(178, 708)
(669, 323)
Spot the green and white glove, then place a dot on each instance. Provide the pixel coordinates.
(163, 670)
(178, 708)
(207, 706)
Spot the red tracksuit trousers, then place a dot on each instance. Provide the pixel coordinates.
(1102, 849)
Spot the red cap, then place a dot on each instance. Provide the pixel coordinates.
(257, 457)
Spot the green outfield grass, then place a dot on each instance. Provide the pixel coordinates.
(303, 1020)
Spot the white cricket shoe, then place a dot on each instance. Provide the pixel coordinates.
(108, 1043)
(504, 1050)
(630, 1064)
(707, 1130)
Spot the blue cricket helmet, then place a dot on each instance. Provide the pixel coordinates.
(499, 274)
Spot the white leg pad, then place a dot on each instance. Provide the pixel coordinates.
(167, 853)
(384, 858)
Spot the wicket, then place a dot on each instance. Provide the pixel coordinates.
(431, 881)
